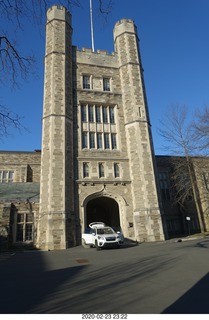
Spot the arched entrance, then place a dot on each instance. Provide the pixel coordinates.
(103, 209)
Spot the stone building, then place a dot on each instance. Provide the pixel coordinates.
(97, 161)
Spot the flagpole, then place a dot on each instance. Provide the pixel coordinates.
(92, 30)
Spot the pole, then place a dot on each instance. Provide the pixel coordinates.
(92, 30)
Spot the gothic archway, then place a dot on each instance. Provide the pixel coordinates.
(103, 209)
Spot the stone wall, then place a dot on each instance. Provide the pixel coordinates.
(26, 165)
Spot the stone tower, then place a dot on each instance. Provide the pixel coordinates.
(55, 223)
(97, 153)
(146, 211)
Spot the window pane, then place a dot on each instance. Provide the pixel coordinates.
(98, 114)
(114, 142)
(101, 170)
(116, 170)
(92, 139)
(85, 170)
(28, 232)
(99, 141)
(11, 176)
(106, 141)
(29, 217)
(91, 114)
(164, 185)
(84, 140)
(104, 112)
(86, 82)
(83, 113)
(112, 115)
(5, 176)
(106, 84)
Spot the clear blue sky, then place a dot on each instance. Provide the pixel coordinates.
(174, 43)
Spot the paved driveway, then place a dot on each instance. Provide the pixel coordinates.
(150, 278)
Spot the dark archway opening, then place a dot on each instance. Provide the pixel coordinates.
(103, 209)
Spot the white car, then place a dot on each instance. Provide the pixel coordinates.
(100, 236)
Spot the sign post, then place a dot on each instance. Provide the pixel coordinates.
(188, 220)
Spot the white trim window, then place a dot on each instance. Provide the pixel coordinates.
(24, 231)
(6, 176)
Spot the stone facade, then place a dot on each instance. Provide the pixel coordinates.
(97, 161)
(116, 132)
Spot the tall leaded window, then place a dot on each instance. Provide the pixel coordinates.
(101, 170)
(99, 141)
(104, 114)
(85, 170)
(107, 141)
(116, 170)
(106, 84)
(83, 113)
(6, 176)
(98, 114)
(92, 140)
(84, 140)
(112, 115)
(91, 114)
(114, 141)
(94, 134)
(164, 185)
(86, 82)
(24, 227)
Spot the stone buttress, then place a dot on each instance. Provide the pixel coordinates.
(55, 224)
(146, 211)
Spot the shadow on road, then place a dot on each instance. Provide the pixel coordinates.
(194, 301)
(25, 282)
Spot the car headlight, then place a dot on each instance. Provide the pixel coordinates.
(118, 237)
(101, 238)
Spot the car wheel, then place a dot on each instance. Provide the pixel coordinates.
(86, 246)
(96, 245)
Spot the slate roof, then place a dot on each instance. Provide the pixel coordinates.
(12, 192)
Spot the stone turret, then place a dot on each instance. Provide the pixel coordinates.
(146, 211)
(56, 218)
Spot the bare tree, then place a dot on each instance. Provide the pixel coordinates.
(9, 119)
(201, 130)
(177, 130)
(16, 65)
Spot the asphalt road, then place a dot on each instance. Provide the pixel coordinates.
(151, 278)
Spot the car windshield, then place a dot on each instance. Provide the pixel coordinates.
(105, 231)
